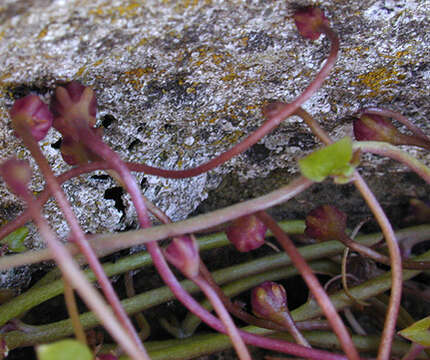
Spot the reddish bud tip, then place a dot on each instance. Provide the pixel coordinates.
(325, 223)
(71, 102)
(246, 233)
(269, 301)
(183, 253)
(309, 22)
(370, 127)
(34, 113)
(106, 357)
(17, 174)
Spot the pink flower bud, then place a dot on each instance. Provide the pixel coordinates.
(183, 253)
(72, 102)
(309, 22)
(34, 113)
(370, 127)
(325, 223)
(269, 301)
(246, 233)
(17, 174)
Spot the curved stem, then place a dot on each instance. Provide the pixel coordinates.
(393, 248)
(393, 152)
(73, 274)
(396, 267)
(374, 255)
(78, 234)
(313, 285)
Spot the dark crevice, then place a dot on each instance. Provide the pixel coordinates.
(108, 120)
(57, 145)
(115, 194)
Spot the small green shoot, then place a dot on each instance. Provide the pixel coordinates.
(332, 160)
(64, 350)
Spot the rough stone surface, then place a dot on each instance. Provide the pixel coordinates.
(178, 82)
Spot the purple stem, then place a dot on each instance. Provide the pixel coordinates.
(393, 248)
(78, 235)
(73, 274)
(97, 146)
(225, 317)
(313, 285)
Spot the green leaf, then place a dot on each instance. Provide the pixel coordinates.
(15, 240)
(64, 350)
(418, 332)
(332, 160)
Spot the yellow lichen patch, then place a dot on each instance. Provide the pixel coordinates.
(230, 77)
(377, 79)
(127, 10)
(134, 76)
(43, 33)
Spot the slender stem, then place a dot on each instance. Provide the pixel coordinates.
(223, 314)
(72, 272)
(236, 310)
(73, 312)
(78, 234)
(394, 251)
(393, 152)
(413, 352)
(289, 323)
(374, 255)
(314, 286)
(396, 266)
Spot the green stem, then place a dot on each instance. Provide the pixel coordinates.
(210, 343)
(63, 328)
(38, 295)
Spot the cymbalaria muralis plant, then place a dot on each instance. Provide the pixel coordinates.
(314, 330)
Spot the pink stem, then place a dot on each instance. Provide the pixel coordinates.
(313, 285)
(79, 235)
(396, 267)
(225, 317)
(393, 248)
(73, 274)
(98, 147)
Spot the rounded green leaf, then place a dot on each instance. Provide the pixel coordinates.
(332, 160)
(64, 350)
(15, 240)
(418, 332)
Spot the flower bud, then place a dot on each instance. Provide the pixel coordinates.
(325, 223)
(17, 174)
(183, 253)
(309, 21)
(33, 112)
(269, 301)
(72, 102)
(370, 127)
(246, 233)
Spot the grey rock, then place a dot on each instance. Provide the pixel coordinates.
(179, 82)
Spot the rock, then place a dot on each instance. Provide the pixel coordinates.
(179, 82)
